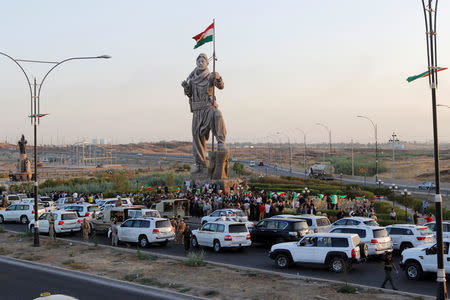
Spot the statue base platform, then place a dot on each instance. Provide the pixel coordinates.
(218, 164)
(225, 184)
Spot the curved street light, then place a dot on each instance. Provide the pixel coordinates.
(375, 127)
(35, 112)
(290, 150)
(329, 133)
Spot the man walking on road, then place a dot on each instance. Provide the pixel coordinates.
(85, 229)
(187, 234)
(388, 264)
(51, 227)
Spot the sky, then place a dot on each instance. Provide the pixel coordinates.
(286, 65)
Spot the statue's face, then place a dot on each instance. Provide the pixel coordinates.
(202, 63)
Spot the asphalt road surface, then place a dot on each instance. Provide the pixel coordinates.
(370, 273)
(27, 281)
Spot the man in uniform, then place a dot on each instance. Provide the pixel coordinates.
(187, 234)
(114, 233)
(388, 264)
(181, 228)
(85, 228)
(51, 227)
(199, 87)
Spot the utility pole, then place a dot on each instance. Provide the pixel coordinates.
(353, 162)
(393, 140)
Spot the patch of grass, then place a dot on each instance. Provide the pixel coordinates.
(195, 260)
(70, 254)
(31, 257)
(2, 229)
(211, 293)
(90, 248)
(346, 289)
(68, 262)
(78, 266)
(185, 290)
(132, 277)
(25, 234)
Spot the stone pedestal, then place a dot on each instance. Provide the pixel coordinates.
(218, 164)
(24, 168)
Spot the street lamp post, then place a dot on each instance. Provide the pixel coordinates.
(35, 115)
(379, 183)
(375, 127)
(329, 134)
(430, 13)
(304, 150)
(290, 151)
(306, 192)
(405, 193)
(393, 188)
(393, 141)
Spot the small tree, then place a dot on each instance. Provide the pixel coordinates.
(238, 168)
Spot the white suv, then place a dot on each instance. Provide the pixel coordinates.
(22, 213)
(65, 221)
(227, 212)
(221, 234)
(146, 231)
(316, 224)
(85, 211)
(337, 250)
(445, 228)
(416, 261)
(355, 221)
(377, 238)
(410, 236)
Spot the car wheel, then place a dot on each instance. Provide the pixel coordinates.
(194, 242)
(405, 246)
(2, 220)
(216, 246)
(337, 264)
(413, 270)
(143, 241)
(24, 219)
(364, 250)
(283, 261)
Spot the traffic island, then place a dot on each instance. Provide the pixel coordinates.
(192, 276)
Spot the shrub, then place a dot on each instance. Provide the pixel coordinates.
(195, 260)
(346, 289)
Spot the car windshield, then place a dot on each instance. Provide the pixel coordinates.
(163, 224)
(239, 213)
(379, 233)
(69, 216)
(322, 222)
(371, 223)
(234, 228)
(300, 226)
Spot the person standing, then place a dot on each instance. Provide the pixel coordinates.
(85, 228)
(187, 235)
(424, 206)
(415, 217)
(181, 228)
(114, 234)
(51, 227)
(388, 264)
(393, 214)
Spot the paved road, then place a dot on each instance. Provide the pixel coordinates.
(370, 273)
(27, 281)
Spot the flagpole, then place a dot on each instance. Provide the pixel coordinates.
(214, 71)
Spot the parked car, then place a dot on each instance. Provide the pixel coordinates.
(49, 205)
(416, 261)
(221, 234)
(355, 221)
(85, 211)
(316, 224)
(22, 213)
(410, 236)
(377, 238)
(13, 198)
(143, 213)
(125, 202)
(146, 231)
(428, 185)
(445, 228)
(63, 202)
(321, 171)
(65, 221)
(278, 230)
(252, 163)
(338, 251)
(232, 214)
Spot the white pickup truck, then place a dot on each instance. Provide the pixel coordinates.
(416, 261)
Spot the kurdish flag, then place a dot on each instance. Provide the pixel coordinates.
(424, 74)
(38, 115)
(334, 199)
(321, 196)
(205, 36)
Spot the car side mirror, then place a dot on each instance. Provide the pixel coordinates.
(427, 251)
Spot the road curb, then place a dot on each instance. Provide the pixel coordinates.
(285, 275)
(107, 281)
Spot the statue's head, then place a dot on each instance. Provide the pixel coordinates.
(202, 61)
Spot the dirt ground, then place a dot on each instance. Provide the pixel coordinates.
(208, 281)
